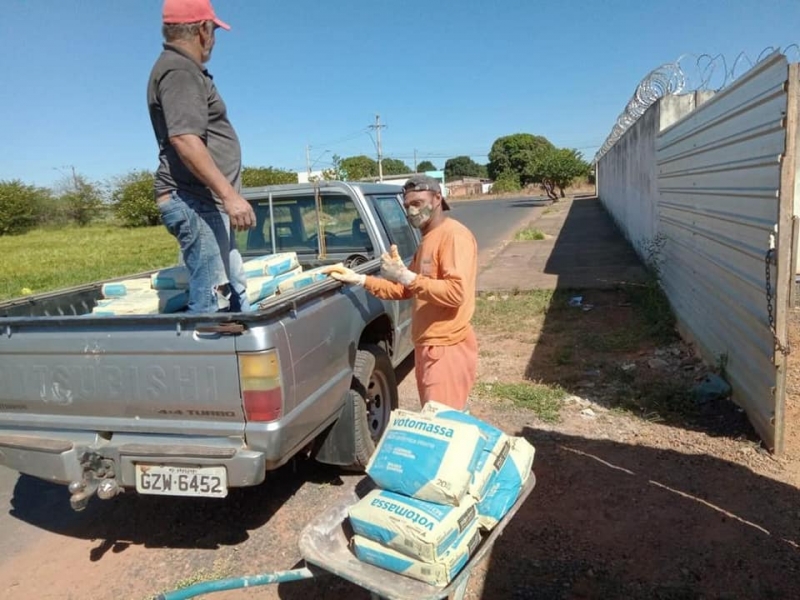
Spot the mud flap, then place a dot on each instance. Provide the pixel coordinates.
(337, 444)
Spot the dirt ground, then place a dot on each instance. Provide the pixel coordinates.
(641, 491)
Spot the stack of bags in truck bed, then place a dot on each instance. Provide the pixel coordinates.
(166, 291)
(444, 478)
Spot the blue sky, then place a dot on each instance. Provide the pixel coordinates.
(447, 78)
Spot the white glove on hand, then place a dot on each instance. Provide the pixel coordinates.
(345, 275)
(395, 270)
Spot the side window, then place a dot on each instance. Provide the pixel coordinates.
(394, 220)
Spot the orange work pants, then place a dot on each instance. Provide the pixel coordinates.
(446, 374)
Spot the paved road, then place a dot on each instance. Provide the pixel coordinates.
(494, 221)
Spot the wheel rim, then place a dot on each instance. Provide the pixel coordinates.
(378, 404)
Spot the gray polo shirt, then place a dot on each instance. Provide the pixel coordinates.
(182, 98)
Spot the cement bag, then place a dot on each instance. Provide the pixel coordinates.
(438, 573)
(171, 278)
(116, 289)
(422, 530)
(504, 487)
(301, 280)
(149, 302)
(495, 450)
(271, 264)
(426, 458)
(259, 288)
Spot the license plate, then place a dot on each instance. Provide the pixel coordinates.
(164, 480)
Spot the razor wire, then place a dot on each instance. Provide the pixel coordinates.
(705, 73)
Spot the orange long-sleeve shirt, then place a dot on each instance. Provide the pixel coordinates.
(446, 263)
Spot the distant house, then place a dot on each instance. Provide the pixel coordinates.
(303, 176)
(469, 186)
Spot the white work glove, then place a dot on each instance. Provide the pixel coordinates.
(341, 273)
(393, 269)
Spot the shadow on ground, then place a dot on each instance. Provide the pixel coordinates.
(610, 520)
(615, 521)
(167, 522)
(609, 336)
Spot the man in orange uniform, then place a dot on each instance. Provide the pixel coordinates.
(441, 281)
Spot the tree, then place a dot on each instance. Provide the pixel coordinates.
(336, 172)
(359, 167)
(506, 182)
(463, 166)
(20, 206)
(426, 165)
(516, 153)
(80, 199)
(133, 200)
(557, 168)
(261, 176)
(394, 166)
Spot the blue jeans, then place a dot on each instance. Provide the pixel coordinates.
(217, 282)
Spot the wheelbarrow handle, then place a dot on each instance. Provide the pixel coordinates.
(235, 583)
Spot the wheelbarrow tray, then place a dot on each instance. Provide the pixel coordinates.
(325, 543)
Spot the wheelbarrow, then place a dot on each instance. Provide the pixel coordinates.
(325, 548)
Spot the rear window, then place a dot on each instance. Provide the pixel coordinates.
(297, 227)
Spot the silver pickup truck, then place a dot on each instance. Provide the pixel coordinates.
(192, 405)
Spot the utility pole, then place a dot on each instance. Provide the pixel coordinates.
(378, 128)
(415, 160)
(308, 161)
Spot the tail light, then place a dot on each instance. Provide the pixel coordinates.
(260, 378)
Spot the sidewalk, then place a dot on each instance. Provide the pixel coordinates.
(583, 249)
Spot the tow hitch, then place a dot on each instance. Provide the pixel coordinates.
(98, 478)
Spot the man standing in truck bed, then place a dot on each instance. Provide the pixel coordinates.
(441, 281)
(198, 179)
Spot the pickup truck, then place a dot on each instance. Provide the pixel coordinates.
(193, 405)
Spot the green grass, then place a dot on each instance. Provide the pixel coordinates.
(49, 259)
(655, 310)
(505, 312)
(564, 355)
(543, 400)
(529, 234)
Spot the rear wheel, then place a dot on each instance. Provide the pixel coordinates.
(374, 396)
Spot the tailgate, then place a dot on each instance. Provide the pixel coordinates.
(116, 377)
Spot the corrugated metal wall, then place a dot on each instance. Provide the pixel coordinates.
(720, 200)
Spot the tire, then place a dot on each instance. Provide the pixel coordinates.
(374, 396)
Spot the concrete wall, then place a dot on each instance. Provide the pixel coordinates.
(711, 176)
(627, 178)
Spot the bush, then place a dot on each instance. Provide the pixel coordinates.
(20, 206)
(134, 201)
(83, 202)
(506, 182)
(261, 176)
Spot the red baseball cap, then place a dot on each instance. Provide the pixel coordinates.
(190, 11)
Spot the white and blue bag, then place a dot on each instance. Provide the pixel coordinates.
(426, 458)
(423, 530)
(117, 289)
(171, 278)
(439, 573)
(146, 302)
(271, 264)
(505, 486)
(496, 449)
(302, 279)
(260, 288)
